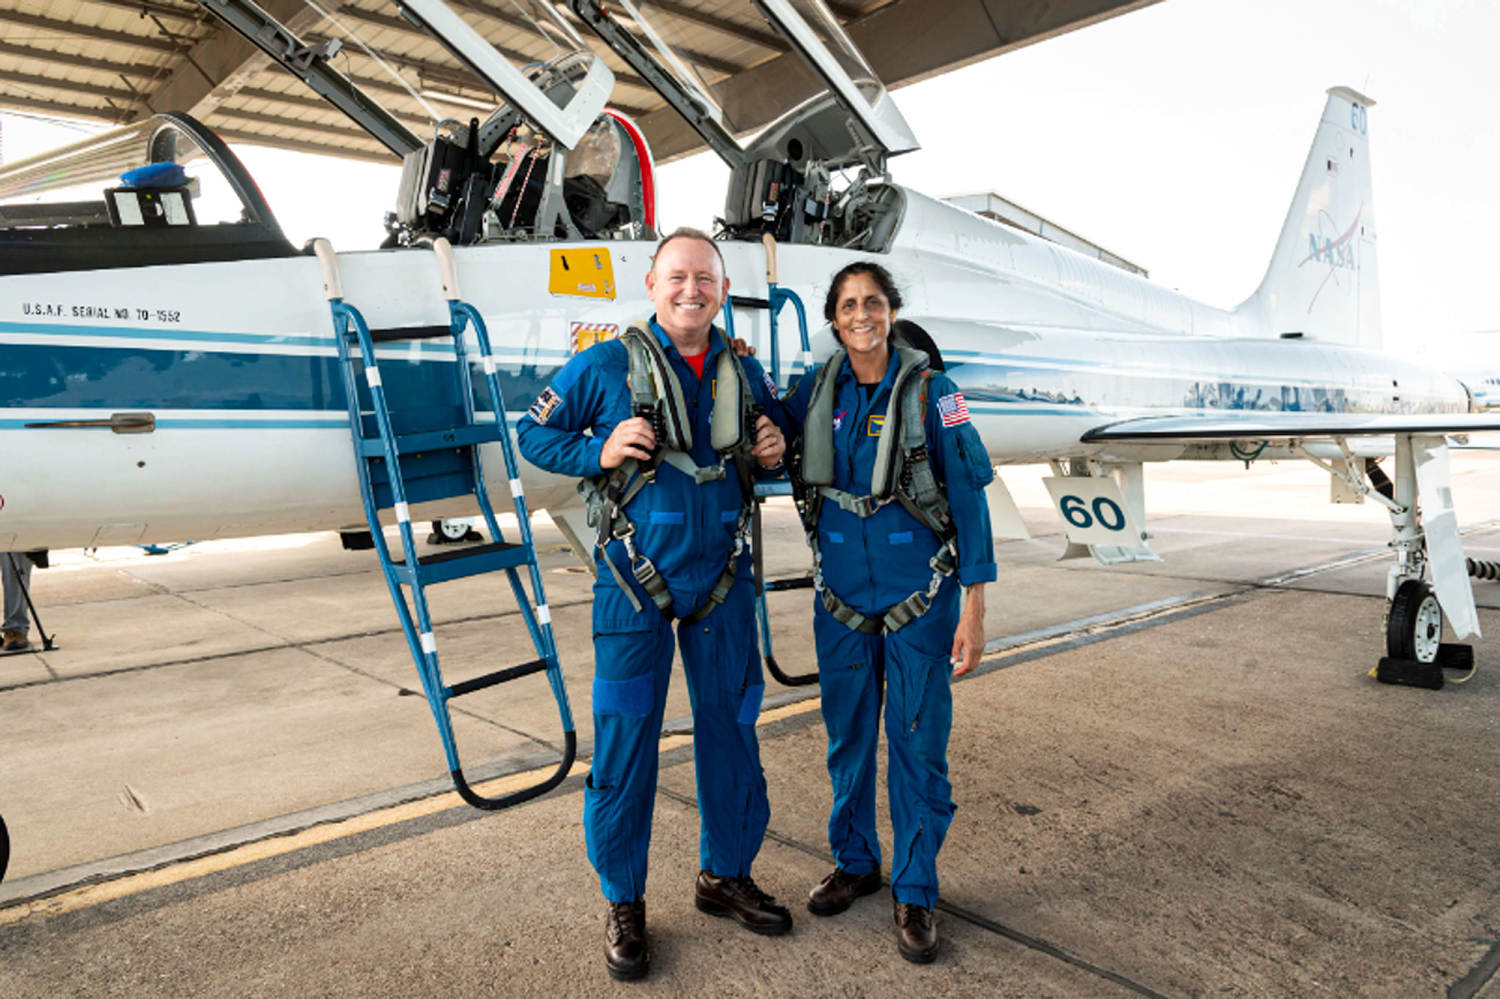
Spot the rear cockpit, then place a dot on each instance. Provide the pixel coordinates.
(807, 145)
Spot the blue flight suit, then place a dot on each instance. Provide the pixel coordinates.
(688, 531)
(872, 564)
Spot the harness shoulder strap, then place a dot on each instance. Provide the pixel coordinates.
(654, 386)
(817, 428)
(893, 435)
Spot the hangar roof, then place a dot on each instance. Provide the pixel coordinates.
(118, 61)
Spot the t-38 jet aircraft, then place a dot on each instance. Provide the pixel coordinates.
(168, 368)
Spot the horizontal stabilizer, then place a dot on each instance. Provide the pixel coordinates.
(1272, 426)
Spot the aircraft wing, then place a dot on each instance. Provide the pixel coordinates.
(1272, 426)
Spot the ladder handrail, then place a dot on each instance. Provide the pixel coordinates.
(352, 331)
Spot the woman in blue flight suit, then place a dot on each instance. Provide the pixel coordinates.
(871, 564)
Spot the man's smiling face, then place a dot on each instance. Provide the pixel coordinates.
(687, 285)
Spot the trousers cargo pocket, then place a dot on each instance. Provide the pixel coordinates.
(630, 697)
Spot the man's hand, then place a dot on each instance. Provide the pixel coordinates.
(968, 637)
(741, 347)
(769, 444)
(632, 438)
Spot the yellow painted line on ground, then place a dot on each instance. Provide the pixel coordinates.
(275, 846)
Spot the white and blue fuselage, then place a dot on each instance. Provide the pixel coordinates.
(237, 364)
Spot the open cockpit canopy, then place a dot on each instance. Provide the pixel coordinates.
(164, 190)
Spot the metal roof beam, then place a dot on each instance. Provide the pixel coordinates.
(110, 116)
(222, 63)
(904, 42)
(521, 24)
(138, 69)
(415, 122)
(406, 27)
(684, 12)
(70, 29)
(372, 154)
(178, 12)
(51, 83)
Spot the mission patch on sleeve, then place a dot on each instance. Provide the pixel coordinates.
(546, 404)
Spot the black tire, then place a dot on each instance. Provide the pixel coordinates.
(1414, 629)
(4, 849)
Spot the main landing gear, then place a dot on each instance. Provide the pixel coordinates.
(1426, 545)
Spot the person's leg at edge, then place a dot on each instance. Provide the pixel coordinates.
(15, 572)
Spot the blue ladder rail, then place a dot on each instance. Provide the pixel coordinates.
(432, 452)
(776, 298)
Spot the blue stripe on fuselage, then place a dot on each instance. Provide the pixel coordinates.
(125, 378)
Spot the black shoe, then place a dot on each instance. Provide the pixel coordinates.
(916, 933)
(740, 899)
(838, 891)
(625, 953)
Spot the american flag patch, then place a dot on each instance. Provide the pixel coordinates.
(953, 409)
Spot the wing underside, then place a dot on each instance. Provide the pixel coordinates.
(1288, 426)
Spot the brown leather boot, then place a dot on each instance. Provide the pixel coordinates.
(916, 933)
(741, 900)
(625, 952)
(838, 891)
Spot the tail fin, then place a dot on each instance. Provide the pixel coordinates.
(1323, 281)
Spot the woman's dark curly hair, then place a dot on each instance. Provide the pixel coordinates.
(877, 273)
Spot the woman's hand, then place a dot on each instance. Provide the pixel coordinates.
(968, 637)
(770, 445)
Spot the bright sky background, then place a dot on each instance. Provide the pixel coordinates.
(1173, 136)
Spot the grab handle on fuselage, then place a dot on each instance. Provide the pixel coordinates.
(120, 423)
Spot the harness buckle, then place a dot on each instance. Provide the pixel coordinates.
(642, 569)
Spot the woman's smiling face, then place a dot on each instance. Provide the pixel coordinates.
(862, 316)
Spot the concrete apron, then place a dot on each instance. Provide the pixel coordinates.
(1220, 802)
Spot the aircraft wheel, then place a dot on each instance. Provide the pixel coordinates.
(4, 849)
(1414, 629)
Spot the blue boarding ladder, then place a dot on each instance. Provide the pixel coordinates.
(430, 451)
(776, 298)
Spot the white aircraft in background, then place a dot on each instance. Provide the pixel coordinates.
(1485, 391)
(168, 368)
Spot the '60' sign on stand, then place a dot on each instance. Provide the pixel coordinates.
(1093, 510)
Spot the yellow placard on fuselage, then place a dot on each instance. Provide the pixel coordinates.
(585, 272)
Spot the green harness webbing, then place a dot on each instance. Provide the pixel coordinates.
(902, 473)
(656, 395)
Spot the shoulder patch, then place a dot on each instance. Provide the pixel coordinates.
(953, 409)
(546, 404)
(770, 382)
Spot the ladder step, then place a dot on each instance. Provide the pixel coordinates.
(433, 440)
(749, 302)
(409, 333)
(460, 562)
(796, 583)
(499, 676)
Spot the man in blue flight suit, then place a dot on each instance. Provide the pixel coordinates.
(874, 564)
(582, 425)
